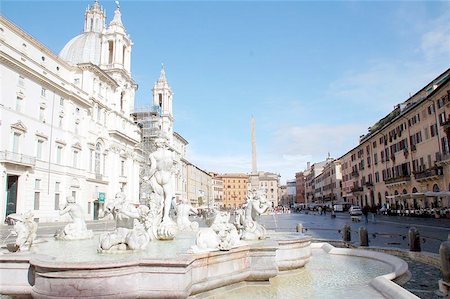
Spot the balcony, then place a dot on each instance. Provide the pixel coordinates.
(429, 174)
(442, 158)
(357, 189)
(18, 159)
(398, 180)
(355, 174)
(368, 184)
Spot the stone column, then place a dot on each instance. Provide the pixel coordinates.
(444, 252)
(346, 233)
(363, 237)
(414, 239)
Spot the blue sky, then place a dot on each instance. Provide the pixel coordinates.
(315, 75)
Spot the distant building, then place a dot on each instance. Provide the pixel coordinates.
(300, 187)
(282, 195)
(269, 182)
(217, 190)
(235, 188)
(198, 186)
(403, 160)
(290, 192)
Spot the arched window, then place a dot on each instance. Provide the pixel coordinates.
(414, 190)
(404, 191)
(379, 198)
(110, 51)
(436, 188)
(98, 154)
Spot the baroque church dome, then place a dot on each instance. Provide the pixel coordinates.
(83, 48)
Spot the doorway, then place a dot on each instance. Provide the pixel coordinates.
(11, 196)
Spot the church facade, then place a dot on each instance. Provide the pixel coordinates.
(66, 128)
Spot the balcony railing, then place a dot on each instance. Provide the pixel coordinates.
(357, 189)
(16, 158)
(429, 173)
(398, 179)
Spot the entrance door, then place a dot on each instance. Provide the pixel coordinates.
(11, 196)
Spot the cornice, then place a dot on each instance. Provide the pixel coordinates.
(41, 79)
(99, 72)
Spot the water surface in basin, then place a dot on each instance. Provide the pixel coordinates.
(325, 276)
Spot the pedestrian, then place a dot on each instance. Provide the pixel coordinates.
(320, 210)
(365, 212)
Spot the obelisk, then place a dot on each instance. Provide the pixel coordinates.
(254, 168)
(254, 182)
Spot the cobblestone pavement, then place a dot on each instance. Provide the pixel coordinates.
(424, 279)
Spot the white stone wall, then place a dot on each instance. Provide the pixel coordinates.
(41, 79)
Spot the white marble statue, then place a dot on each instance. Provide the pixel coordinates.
(184, 209)
(161, 177)
(221, 235)
(25, 228)
(77, 229)
(256, 205)
(133, 226)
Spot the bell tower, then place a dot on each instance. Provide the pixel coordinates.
(162, 100)
(116, 45)
(94, 18)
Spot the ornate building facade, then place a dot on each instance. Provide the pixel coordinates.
(65, 127)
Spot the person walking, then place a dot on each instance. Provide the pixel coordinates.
(365, 212)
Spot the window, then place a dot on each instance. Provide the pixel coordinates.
(37, 184)
(43, 91)
(122, 168)
(39, 149)
(99, 111)
(433, 130)
(111, 51)
(98, 149)
(42, 114)
(60, 122)
(442, 118)
(21, 81)
(61, 102)
(37, 197)
(16, 142)
(19, 104)
(74, 195)
(75, 159)
(59, 149)
(57, 186)
(57, 201)
(377, 177)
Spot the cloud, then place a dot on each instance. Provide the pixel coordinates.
(387, 82)
(316, 140)
(435, 43)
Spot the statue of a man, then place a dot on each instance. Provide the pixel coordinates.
(162, 169)
(77, 229)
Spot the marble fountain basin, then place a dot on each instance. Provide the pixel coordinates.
(167, 269)
(62, 269)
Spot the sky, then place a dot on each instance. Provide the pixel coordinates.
(315, 75)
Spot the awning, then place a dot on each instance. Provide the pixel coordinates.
(408, 196)
(441, 193)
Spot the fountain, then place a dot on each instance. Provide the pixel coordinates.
(155, 256)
